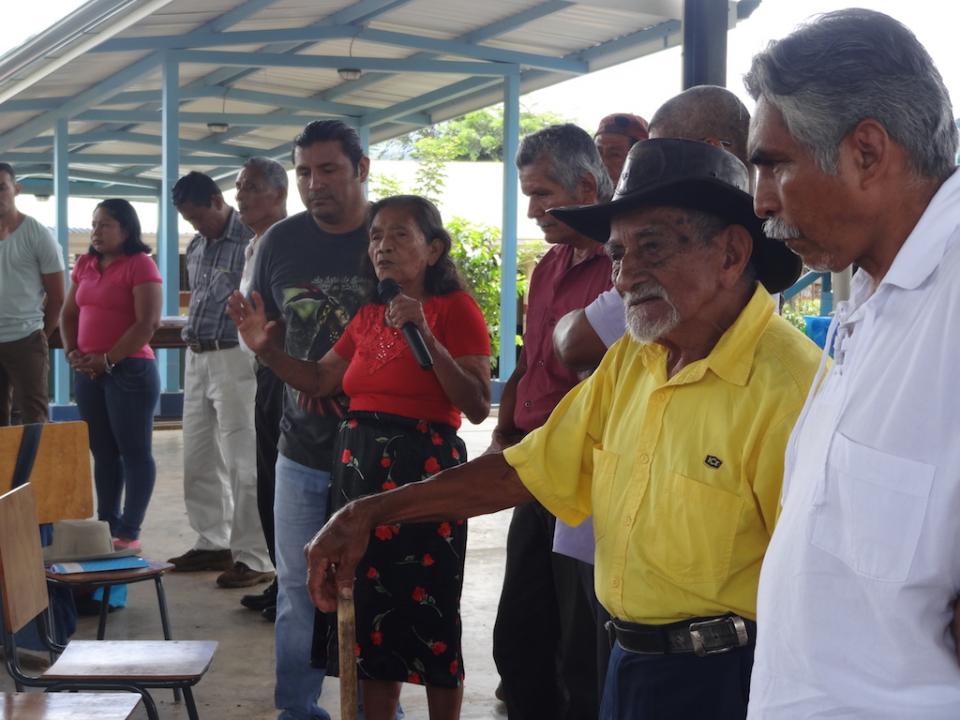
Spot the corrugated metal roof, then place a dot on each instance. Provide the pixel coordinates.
(266, 67)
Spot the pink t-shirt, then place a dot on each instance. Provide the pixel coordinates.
(106, 300)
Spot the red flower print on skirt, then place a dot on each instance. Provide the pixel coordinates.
(346, 457)
(431, 465)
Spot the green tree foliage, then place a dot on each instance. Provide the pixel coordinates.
(475, 136)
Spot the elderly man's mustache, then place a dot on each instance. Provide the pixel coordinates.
(776, 229)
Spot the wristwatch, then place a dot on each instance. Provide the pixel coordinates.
(107, 365)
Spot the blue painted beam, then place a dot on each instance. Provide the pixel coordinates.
(125, 159)
(326, 32)
(108, 179)
(533, 78)
(61, 190)
(288, 102)
(359, 12)
(111, 86)
(246, 59)
(512, 22)
(660, 30)
(447, 92)
(508, 237)
(45, 187)
(468, 49)
(364, 11)
(138, 117)
(106, 136)
(276, 100)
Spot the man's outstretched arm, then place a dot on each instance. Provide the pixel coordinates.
(483, 486)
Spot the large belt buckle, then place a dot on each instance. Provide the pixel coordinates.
(700, 649)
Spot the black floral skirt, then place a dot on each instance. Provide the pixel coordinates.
(407, 591)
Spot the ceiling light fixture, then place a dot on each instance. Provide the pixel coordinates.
(350, 73)
(220, 126)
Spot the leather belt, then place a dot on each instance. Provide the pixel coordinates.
(701, 636)
(202, 346)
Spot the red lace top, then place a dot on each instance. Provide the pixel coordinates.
(383, 375)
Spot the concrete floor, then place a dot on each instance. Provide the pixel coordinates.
(240, 682)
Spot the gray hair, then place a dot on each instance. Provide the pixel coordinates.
(572, 154)
(851, 65)
(270, 170)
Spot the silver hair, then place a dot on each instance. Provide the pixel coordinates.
(850, 65)
(270, 170)
(572, 154)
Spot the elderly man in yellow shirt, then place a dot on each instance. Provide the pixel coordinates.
(675, 444)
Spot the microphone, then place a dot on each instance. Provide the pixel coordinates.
(387, 290)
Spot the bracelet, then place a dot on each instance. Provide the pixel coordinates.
(107, 365)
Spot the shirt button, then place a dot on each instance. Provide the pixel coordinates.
(628, 521)
(539, 363)
(527, 403)
(644, 459)
(615, 582)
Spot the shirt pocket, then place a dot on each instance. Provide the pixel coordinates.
(696, 525)
(604, 475)
(873, 511)
(223, 283)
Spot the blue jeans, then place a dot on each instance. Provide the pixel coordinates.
(118, 409)
(300, 510)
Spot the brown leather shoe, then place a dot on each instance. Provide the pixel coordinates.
(242, 576)
(197, 560)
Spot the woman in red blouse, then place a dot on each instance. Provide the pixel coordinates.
(111, 312)
(401, 428)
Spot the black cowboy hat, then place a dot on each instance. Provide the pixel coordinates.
(694, 175)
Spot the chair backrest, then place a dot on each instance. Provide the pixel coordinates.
(23, 585)
(61, 472)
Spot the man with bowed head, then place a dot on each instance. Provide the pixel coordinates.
(675, 444)
(855, 142)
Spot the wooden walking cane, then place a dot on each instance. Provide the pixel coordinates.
(347, 641)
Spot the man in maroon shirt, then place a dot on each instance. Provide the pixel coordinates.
(545, 621)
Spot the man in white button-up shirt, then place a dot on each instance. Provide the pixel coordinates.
(855, 142)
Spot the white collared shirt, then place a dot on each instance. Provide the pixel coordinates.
(859, 580)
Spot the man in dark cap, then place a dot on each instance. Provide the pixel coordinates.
(615, 136)
(675, 444)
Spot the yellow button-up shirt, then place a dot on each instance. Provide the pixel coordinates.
(681, 474)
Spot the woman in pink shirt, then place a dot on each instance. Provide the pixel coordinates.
(111, 312)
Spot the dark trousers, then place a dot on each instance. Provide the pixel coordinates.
(118, 409)
(544, 638)
(664, 687)
(267, 411)
(585, 572)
